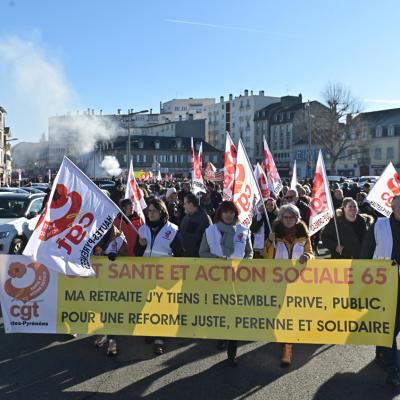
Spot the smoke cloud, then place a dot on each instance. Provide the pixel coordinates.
(111, 166)
(34, 87)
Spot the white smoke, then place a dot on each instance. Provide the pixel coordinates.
(32, 81)
(111, 166)
(84, 130)
(34, 85)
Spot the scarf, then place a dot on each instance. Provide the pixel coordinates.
(289, 234)
(228, 233)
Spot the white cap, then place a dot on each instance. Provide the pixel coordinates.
(170, 191)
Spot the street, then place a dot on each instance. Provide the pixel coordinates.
(61, 367)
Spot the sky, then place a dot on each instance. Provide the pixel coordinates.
(61, 56)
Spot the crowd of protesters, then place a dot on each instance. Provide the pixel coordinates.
(204, 225)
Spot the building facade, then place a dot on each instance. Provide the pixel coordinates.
(5, 150)
(169, 154)
(287, 125)
(236, 115)
(375, 141)
(76, 135)
(181, 109)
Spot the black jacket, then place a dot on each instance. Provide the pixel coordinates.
(351, 235)
(191, 232)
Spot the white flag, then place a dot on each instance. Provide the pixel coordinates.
(135, 194)
(246, 192)
(197, 178)
(387, 186)
(293, 181)
(271, 171)
(229, 168)
(321, 202)
(262, 181)
(77, 216)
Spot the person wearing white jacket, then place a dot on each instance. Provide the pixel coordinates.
(227, 239)
(383, 242)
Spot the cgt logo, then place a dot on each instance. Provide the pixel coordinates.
(16, 271)
(393, 184)
(77, 232)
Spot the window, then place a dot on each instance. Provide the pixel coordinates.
(157, 144)
(378, 154)
(141, 144)
(378, 131)
(137, 158)
(171, 158)
(215, 158)
(36, 206)
(391, 130)
(389, 153)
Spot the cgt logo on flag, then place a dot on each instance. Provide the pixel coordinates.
(76, 232)
(319, 201)
(393, 184)
(18, 272)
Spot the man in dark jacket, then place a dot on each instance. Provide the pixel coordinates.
(193, 225)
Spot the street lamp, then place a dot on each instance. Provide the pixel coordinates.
(130, 113)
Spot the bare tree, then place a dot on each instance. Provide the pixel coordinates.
(331, 125)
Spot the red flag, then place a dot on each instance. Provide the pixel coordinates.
(271, 171)
(229, 168)
(246, 192)
(135, 194)
(321, 203)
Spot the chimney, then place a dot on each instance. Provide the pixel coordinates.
(261, 92)
(246, 92)
(221, 99)
(88, 111)
(151, 111)
(92, 111)
(101, 112)
(119, 111)
(230, 97)
(251, 93)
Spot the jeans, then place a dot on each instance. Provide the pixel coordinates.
(390, 354)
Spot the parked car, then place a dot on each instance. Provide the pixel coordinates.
(29, 190)
(19, 214)
(13, 190)
(104, 183)
(370, 179)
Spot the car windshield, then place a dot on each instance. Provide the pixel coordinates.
(11, 208)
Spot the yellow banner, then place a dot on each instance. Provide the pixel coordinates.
(324, 301)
